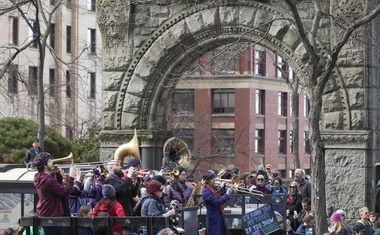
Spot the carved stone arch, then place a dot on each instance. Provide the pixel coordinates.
(177, 42)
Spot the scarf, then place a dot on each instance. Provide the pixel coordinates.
(218, 196)
(116, 177)
(290, 199)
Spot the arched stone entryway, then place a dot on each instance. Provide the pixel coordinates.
(143, 60)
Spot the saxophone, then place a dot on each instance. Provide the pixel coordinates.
(190, 202)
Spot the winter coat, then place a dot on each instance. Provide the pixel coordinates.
(31, 154)
(50, 193)
(115, 210)
(214, 218)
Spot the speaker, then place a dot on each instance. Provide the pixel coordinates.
(376, 187)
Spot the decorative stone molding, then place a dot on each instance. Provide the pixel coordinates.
(346, 139)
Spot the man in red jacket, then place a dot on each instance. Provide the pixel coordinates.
(50, 191)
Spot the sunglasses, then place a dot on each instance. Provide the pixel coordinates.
(260, 179)
(292, 187)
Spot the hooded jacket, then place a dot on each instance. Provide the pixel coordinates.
(50, 193)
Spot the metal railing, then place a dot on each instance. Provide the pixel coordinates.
(71, 223)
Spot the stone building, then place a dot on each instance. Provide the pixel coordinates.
(72, 74)
(163, 37)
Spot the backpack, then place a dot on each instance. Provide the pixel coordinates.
(138, 206)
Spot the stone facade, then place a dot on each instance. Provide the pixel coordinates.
(146, 43)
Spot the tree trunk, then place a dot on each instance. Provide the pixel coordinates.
(295, 122)
(318, 162)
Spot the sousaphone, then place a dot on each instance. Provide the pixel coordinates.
(176, 152)
(129, 149)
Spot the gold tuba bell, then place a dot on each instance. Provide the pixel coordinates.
(129, 149)
(177, 152)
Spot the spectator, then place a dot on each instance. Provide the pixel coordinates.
(98, 180)
(109, 206)
(277, 187)
(343, 214)
(84, 212)
(364, 220)
(33, 152)
(307, 227)
(337, 225)
(9, 231)
(50, 191)
(374, 220)
(214, 200)
(293, 204)
(306, 210)
(359, 229)
(260, 184)
(303, 185)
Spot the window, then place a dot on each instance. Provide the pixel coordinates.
(52, 83)
(69, 133)
(282, 142)
(68, 4)
(260, 63)
(259, 141)
(32, 33)
(282, 103)
(306, 143)
(68, 84)
(68, 39)
(13, 30)
(291, 142)
(306, 106)
(222, 142)
(260, 101)
(12, 80)
(223, 101)
(282, 64)
(91, 5)
(91, 41)
(32, 83)
(52, 36)
(92, 92)
(183, 101)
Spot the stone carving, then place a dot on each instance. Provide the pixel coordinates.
(113, 20)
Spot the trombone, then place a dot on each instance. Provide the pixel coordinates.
(234, 184)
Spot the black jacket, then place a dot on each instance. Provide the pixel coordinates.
(30, 155)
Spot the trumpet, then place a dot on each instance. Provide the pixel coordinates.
(151, 174)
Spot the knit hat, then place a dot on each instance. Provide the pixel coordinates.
(160, 179)
(108, 190)
(209, 175)
(336, 217)
(133, 162)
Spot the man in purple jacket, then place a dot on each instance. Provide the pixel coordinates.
(50, 191)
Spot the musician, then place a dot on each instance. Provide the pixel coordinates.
(180, 189)
(126, 189)
(214, 199)
(50, 191)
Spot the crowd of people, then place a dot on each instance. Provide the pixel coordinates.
(112, 191)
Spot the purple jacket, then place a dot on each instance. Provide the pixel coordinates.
(50, 193)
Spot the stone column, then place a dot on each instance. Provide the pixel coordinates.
(348, 171)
